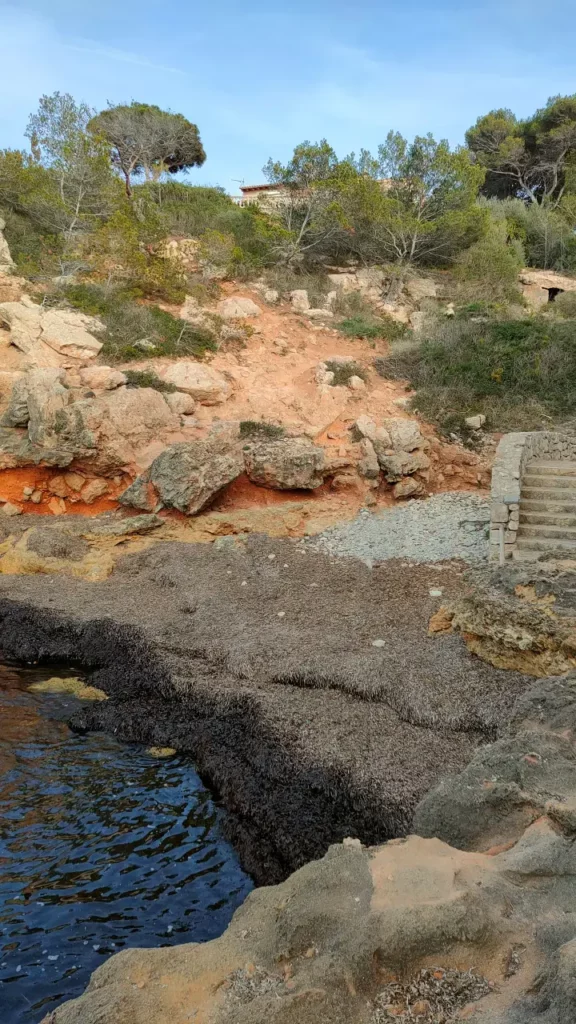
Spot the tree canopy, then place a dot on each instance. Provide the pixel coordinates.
(532, 160)
(144, 139)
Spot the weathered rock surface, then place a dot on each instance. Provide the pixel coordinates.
(186, 476)
(205, 384)
(285, 464)
(237, 308)
(50, 337)
(299, 300)
(402, 464)
(122, 423)
(11, 287)
(6, 261)
(102, 378)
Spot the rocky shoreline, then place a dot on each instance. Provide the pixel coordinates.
(321, 712)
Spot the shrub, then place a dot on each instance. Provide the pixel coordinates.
(519, 373)
(261, 429)
(148, 379)
(344, 371)
(489, 268)
(286, 280)
(565, 304)
(372, 327)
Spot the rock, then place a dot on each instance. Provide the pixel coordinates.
(367, 428)
(330, 300)
(475, 422)
(419, 288)
(404, 435)
(58, 486)
(368, 467)
(319, 314)
(144, 345)
(10, 509)
(202, 382)
(50, 337)
(237, 308)
(286, 464)
(121, 423)
(536, 286)
(15, 388)
(180, 402)
(57, 506)
(94, 489)
(11, 287)
(356, 383)
(408, 488)
(271, 296)
(186, 476)
(102, 378)
(6, 261)
(299, 300)
(418, 321)
(401, 464)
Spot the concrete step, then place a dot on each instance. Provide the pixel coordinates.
(547, 505)
(547, 493)
(544, 544)
(547, 517)
(549, 532)
(547, 467)
(553, 481)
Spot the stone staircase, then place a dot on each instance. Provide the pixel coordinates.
(547, 511)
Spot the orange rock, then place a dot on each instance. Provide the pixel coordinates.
(441, 621)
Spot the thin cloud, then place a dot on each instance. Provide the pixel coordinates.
(124, 56)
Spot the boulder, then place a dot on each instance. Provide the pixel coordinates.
(367, 428)
(180, 402)
(356, 383)
(50, 337)
(237, 308)
(475, 422)
(408, 487)
(404, 435)
(186, 476)
(122, 422)
(419, 288)
(286, 464)
(319, 314)
(271, 296)
(102, 378)
(401, 464)
(13, 400)
(6, 261)
(368, 467)
(203, 383)
(299, 300)
(94, 489)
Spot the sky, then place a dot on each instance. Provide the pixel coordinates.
(258, 78)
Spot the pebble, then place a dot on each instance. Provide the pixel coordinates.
(446, 526)
(378, 643)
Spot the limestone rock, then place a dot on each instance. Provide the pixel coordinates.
(14, 398)
(419, 288)
(102, 378)
(237, 308)
(186, 476)
(368, 467)
(122, 422)
(180, 402)
(319, 314)
(50, 337)
(203, 383)
(6, 261)
(356, 383)
(475, 422)
(94, 489)
(408, 487)
(299, 300)
(11, 287)
(367, 428)
(401, 464)
(405, 435)
(285, 464)
(271, 296)
(10, 509)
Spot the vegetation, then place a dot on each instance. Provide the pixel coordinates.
(148, 379)
(344, 371)
(372, 327)
(260, 429)
(133, 330)
(519, 373)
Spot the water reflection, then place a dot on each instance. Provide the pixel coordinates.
(102, 846)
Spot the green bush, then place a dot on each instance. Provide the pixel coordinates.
(261, 429)
(372, 327)
(519, 373)
(133, 330)
(344, 371)
(565, 304)
(148, 379)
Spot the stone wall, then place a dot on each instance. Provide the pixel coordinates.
(513, 454)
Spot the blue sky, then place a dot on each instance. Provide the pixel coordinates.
(258, 78)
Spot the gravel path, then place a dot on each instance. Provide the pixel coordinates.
(451, 525)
